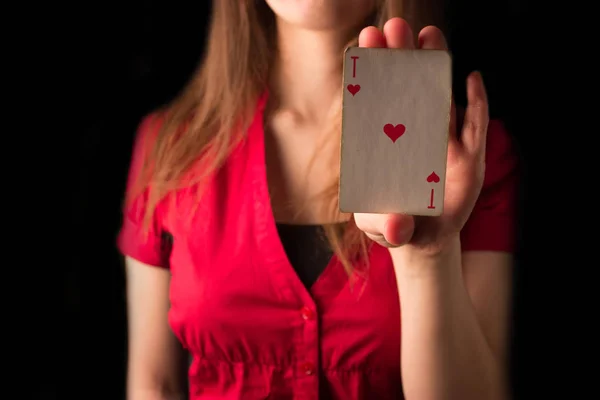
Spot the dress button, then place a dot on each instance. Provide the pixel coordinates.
(308, 368)
(307, 313)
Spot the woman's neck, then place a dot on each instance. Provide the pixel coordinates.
(307, 73)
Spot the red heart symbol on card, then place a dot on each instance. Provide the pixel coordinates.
(433, 178)
(394, 132)
(353, 89)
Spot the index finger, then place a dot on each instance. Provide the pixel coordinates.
(432, 38)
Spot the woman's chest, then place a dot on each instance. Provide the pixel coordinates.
(237, 300)
(235, 297)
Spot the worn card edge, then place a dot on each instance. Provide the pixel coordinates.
(340, 207)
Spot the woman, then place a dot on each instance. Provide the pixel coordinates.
(228, 197)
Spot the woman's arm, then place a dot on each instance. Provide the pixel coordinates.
(454, 316)
(155, 358)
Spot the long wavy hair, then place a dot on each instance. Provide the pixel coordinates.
(213, 111)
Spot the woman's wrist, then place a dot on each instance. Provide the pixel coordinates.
(414, 262)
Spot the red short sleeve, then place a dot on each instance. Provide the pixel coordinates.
(492, 224)
(145, 244)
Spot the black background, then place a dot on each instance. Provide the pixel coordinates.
(134, 56)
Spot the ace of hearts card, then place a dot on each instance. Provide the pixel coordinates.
(395, 125)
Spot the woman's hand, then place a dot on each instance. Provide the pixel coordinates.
(466, 156)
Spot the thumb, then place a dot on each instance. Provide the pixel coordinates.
(389, 230)
(398, 229)
(474, 130)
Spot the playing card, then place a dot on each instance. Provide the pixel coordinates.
(395, 125)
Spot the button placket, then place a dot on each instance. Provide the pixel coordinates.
(307, 314)
(308, 368)
(309, 361)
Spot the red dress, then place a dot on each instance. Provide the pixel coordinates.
(254, 330)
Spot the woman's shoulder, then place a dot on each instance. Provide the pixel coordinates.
(501, 152)
(492, 225)
(502, 158)
(148, 128)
